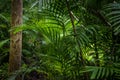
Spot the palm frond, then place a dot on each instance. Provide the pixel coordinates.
(100, 72)
(2, 43)
(113, 14)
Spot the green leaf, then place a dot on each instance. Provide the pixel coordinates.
(2, 43)
(99, 73)
(12, 77)
(94, 73)
(103, 73)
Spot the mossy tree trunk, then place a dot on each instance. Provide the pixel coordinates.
(15, 38)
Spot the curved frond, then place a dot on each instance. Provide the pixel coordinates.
(113, 14)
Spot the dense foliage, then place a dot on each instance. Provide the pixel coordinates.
(65, 40)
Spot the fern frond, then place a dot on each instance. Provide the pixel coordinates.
(100, 72)
(113, 14)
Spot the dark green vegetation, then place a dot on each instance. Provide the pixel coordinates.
(64, 40)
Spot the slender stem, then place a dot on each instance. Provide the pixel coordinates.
(113, 47)
(74, 29)
(96, 50)
(75, 36)
(101, 17)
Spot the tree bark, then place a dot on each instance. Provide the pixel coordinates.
(15, 38)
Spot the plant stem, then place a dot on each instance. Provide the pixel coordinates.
(75, 36)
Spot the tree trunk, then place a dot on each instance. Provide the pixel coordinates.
(15, 38)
